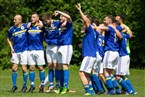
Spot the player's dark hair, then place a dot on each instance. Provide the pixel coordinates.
(90, 18)
(104, 23)
(66, 12)
(122, 17)
(116, 22)
(94, 20)
(46, 16)
(36, 14)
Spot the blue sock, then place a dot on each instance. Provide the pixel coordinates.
(61, 77)
(97, 82)
(102, 85)
(32, 77)
(109, 83)
(93, 84)
(25, 77)
(57, 77)
(127, 81)
(51, 76)
(14, 77)
(42, 77)
(114, 82)
(86, 87)
(66, 78)
(91, 89)
(124, 85)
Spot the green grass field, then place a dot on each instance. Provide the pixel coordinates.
(137, 78)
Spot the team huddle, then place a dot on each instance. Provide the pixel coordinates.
(105, 53)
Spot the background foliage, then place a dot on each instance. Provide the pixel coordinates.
(132, 9)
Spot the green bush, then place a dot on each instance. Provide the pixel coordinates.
(132, 9)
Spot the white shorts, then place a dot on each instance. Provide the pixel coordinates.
(128, 66)
(110, 59)
(51, 53)
(99, 70)
(98, 63)
(36, 57)
(88, 64)
(19, 58)
(65, 54)
(123, 65)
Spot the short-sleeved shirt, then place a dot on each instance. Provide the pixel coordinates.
(65, 34)
(111, 40)
(19, 38)
(101, 44)
(52, 33)
(89, 43)
(123, 44)
(119, 28)
(35, 38)
(96, 33)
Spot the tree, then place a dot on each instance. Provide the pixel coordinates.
(132, 9)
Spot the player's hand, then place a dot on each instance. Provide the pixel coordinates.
(40, 24)
(12, 51)
(29, 25)
(94, 26)
(83, 29)
(78, 6)
(56, 13)
(64, 24)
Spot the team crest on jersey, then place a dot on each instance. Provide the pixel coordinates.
(37, 28)
(14, 30)
(22, 27)
(52, 25)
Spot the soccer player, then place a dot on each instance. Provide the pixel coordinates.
(101, 43)
(94, 76)
(51, 38)
(121, 18)
(17, 40)
(65, 49)
(88, 52)
(111, 49)
(36, 50)
(123, 66)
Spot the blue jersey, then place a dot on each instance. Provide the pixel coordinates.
(35, 38)
(119, 28)
(52, 33)
(89, 43)
(19, 38)
(66, 34)
(111, 40)
(100, 43)
(97, 48)
(123, 44)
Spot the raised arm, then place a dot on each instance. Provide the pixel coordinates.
(104, 28)
(128, 30)
(85, 19)
(64, 14)
(118, 34)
